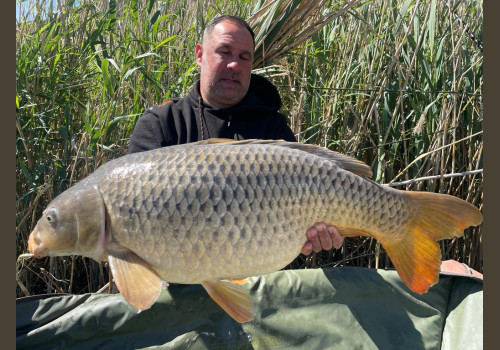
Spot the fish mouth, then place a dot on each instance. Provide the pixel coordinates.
(35, 245)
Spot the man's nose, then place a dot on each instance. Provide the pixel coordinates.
(234, 64)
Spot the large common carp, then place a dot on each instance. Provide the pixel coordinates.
(215, 212)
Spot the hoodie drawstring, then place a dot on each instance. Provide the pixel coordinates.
(202, 118)
(201, 107)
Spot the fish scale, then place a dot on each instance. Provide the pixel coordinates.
(268, 211)
(211, 211)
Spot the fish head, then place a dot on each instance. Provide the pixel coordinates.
(72, 224)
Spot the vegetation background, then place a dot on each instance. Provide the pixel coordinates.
(395, 83)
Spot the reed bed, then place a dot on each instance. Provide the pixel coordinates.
(397, 84)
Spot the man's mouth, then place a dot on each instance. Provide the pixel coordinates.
(231, 81)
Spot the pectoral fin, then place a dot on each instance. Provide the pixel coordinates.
(139, 284)
(231, 297)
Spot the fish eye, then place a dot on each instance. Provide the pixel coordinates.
(51, 215)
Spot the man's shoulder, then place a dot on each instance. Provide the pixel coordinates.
(169, 101)
(167, 104)
(172, 107)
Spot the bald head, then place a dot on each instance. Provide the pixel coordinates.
(240, 22)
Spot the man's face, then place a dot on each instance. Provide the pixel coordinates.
(225, 59)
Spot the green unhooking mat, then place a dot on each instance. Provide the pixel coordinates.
(338, 308)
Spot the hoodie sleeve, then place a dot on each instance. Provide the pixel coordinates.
(147, 134)
(282, 130)
(159, 126)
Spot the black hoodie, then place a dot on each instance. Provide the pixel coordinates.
(189, 119)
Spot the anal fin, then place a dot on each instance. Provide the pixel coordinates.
(139, 284)
(232, 298)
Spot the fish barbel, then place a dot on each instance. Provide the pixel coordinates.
(216, 212)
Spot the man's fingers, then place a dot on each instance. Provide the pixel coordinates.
(324, 236)
(319, 237)
(336, 237)
(307, 248)
(312, 236)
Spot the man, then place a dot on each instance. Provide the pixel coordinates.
(227, 102)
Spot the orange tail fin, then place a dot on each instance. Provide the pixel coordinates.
(415, 252)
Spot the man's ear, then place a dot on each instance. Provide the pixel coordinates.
(199, 54)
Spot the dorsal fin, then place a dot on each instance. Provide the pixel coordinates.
(212, 141)
(344, 161)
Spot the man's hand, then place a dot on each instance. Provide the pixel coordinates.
(322, 237)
